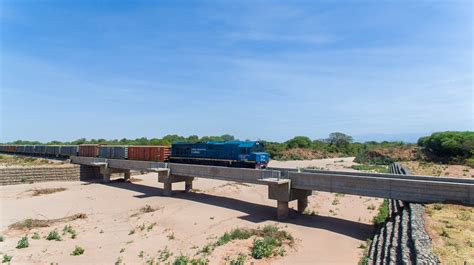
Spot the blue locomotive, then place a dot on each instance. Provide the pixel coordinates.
(250, 154)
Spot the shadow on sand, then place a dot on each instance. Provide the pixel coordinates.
(256, 213)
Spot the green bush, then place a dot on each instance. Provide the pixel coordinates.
(6, 258)
(470, 162)
(77, 251)
(372, 157)
(23, 242)
(181, 260)
(263, 248)
(53, 235)
(240, 260)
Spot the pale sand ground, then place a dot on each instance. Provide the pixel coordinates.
(194, 218)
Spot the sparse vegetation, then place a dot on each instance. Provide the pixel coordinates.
(310, 212)
(13, 160)
(77, 251)
(268, 239)
(44, 191)
(164, 254)
(35, 236)
(36, 223)
(364, 260)
(371, 207)
(181, 260)
(170, 236)
(451, 228)
(23, 242)
(263, 248)
(6, 258)
(382, 214)
(2, 238)
(371, 168)
(68, 229)
(150, 227)
(53, 235)
(131, 232)
(240, 260)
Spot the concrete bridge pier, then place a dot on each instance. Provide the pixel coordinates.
(126, 175)
(281, 191)
(167, 179)
(106, 173)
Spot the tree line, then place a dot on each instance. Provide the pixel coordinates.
(449, 146)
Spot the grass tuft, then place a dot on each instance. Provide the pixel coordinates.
(53, 235)
(77, 251)
(23, 243)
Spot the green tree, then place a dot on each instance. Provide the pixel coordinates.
(339, 139)
(299, 142)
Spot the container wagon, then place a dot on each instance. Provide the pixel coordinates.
(114, 152)
(68, 150)
(40, 150)
(249, 154)
(149, 153)
(29, 149)
(91, 150)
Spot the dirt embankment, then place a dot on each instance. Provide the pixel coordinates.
(451, 227)
(26, 161)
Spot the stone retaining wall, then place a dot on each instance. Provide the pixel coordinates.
(20, 175)
(402, 239)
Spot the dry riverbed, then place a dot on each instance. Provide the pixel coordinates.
(133, 223)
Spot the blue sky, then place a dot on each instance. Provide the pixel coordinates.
(255, 69)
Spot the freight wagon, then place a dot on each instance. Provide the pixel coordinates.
(148, 153)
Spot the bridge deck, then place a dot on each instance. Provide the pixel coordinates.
(422, 189)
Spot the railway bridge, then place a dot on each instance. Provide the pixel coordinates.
(285, 185)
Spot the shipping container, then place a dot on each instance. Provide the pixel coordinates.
(68, 150)
(114, 152)
(3, 148)
(11, 148)
(149, 153)
(52, 150)
(89, 150)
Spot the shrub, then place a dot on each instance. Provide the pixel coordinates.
(181, 260)
(2, 238)
(372, 157)
(35, 236)
(240, 260)
(165, 254)
(263, 248)
(383, 213)
(23, 242)
(77, 251)
(6, 258)
(53, 235)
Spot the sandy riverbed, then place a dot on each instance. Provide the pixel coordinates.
(194, 219)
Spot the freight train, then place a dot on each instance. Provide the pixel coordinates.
(249, 154)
